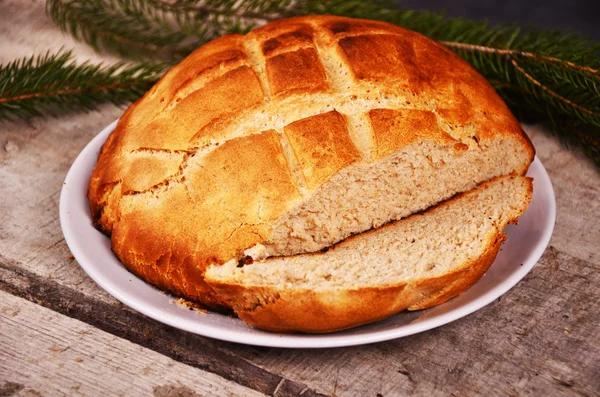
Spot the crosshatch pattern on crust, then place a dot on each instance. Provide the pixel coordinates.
(237, 92)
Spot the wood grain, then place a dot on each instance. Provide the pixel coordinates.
(45, 352)
(541, 338)
(191, 349)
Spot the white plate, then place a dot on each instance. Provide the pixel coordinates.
(526, 243)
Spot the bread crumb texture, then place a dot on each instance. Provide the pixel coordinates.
(296, 136)
(415, 263)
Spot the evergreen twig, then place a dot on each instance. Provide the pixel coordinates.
(53, 84)
(170, 29)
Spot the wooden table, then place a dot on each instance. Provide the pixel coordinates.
(62, 334)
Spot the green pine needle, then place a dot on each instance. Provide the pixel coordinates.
(544, 74)
(168, 29)
(122, 27)
(53, 84)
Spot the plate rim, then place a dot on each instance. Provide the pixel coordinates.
(278, 339)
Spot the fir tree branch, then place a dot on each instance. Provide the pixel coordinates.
(53, 84)
(480, 48)
(104, 26)
(263, 10)
(547, 90)
(170, 30)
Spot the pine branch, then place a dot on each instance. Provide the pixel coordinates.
(125, 30)
(153, 28)
(53, 84)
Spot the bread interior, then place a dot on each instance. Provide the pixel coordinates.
(424, 245)
(366, 196)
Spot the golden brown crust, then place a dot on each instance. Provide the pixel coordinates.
(394, 129)
(319, 311)
(208, 136)
(322, 146)
(206, 232)
(298, 70)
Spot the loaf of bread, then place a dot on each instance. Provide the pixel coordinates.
(290, 139)
(415, 263)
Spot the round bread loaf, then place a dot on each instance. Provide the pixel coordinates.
(289, 139)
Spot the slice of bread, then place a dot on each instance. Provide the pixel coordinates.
(415, 263)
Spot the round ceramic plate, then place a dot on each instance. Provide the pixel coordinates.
(524, 246)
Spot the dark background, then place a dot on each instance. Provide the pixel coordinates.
(580, 16)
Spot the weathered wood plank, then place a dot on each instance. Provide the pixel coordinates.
(35, 154)
(31, 175)
(206, 354)
(44, 352)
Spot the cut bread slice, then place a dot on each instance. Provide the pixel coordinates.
(413, 264)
